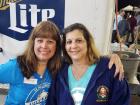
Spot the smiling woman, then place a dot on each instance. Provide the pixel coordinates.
(76, 46)
(86, 78)
(30, 74)
(44, 49)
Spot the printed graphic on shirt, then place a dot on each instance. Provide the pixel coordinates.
(102, 93)
(38, 95)
(77, 94)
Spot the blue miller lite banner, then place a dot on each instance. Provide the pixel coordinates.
(18, 17)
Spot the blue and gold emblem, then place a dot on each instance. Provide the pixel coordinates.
(102, 93)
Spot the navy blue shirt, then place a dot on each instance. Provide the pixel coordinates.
(115, 92)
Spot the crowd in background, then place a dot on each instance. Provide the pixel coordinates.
(126, 31)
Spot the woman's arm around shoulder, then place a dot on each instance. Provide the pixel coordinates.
(120, 93)
(115, 60)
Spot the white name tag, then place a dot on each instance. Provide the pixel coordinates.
(30, 81)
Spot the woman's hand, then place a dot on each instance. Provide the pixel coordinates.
(115, 59)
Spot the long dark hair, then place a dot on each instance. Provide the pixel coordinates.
(28, 61)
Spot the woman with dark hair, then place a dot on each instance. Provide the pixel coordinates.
(86, 73)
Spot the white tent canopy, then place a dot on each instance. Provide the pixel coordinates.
(131, 8)
(128, 8)
(137, 9)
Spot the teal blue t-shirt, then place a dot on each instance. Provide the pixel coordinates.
(23, 91)
(78, 87)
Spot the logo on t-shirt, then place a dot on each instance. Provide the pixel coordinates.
(77, 94)
(39, 95)
(102, 93)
